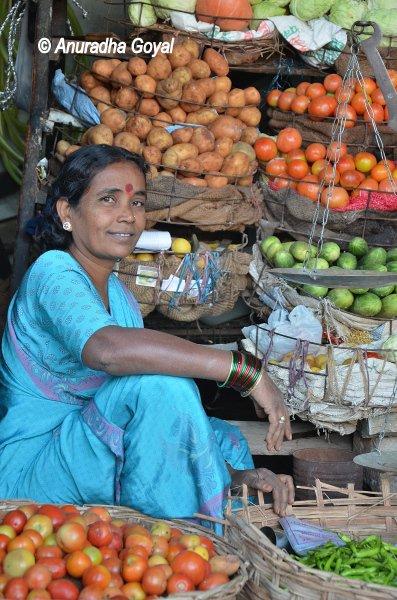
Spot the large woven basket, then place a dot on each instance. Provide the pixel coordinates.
(229, 591)
(278, 576)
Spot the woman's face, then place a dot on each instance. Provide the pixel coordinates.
(110, 217)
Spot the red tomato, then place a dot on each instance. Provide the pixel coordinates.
(378, 114)
(191, 564)
(4, 539)
(272, 97)
(133, 567)
(136, 529)
(338, 197)
(315, 152)
(346, 163)
(139, 550)
(298, 169)
(281, 183)
(113, 564)
(63, 589)
(35, 536)
(343, 95)
(368, 85)
(91, 592)
(28, 509)
(16, 589)
(322, 107)
(359, 102)
(318, 166)
(380, 171)
(108, 552)
(299, 104)
(99, 534)
(348, 114)
(3, 582)
(71, 536)
(332, 82)
(309, 187)
(102, 513)
(301, 88)
(38, 577)
(174, 549)
(336, 151)
(285, 101)
(213, 581)
(133, 591)
(154, 581)
(40, 594)
(2, 556)
(265, 149)
(56, 515)
(48, 552)
(16, 519)
(328, 176)
(175, 532)
(137, 539)
(350, 179)
(160, 545)
(21, 541)
(289, 139)
(56, 566)
(77, 562)
(295, 154)
(69, 509)
(365, 161)
(97, 575)
(276, 167)
(387, 186)
(369, 184)
(377, 97)
(315, 90)
(179, 583)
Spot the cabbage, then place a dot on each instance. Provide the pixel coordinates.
(163, 8)
(391, 344)
(141, 15)
(386, 19)
(265, 10)
(309, 9)
(281, 3)
(382, 4)
(346, 12)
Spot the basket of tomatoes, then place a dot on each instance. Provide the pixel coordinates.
(97, 552)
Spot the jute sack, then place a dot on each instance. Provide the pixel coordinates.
(388, 54)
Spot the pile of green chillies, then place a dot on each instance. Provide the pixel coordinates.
(370, 560)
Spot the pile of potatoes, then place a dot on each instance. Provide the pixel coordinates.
(137, 100)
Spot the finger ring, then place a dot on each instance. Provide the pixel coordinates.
(281, 419)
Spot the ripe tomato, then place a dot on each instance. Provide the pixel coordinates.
(113, 564)
(328, 175)
(38, 577)
(387, 186)
(368, 85)
(179, 583)
(133, 567)
(63, 589)
(380, 171)
(295, 154)
(191, 564)
(315, 152)
(139, 550)
(137, 539)
(309, 187)
(140, 529)
(160, 545)
(365, 161)
(300, 104)
(378, 114)
(69, 509)
(77, 562)
(133, 591)
(175, 532)
(343, 95)
(56, 515)
(285, 101)
(35, 536)
(289, 139)
(272, 97)
(350, 179)
(71, 536)
(209, 544)
(108, 552)
(322, 107)
(276, 167)
(2, 555)
(48, 552)
(318, 166)
(56, 566)
(369, 184)
(174, 548)
(4, 539)
(99, 534)
(40, 523)
(336, 151)
(377, 97)
(297, 169)
(28, 509)
(301, 88)
(21, 541)
(265, 149)
(346, 163)
(3, 582)
(97, 575)
(154, 581)
(315, 90)
(212, 581)
(16, 519)
(338, 197)
(359, 102)
(348, 114)
(102, 513)
(281, 183)
(16, 589)
(332, 82)
(91, 592)
(40, 594)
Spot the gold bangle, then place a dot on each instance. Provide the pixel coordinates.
(248, 392)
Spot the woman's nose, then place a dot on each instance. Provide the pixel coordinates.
(127, 214)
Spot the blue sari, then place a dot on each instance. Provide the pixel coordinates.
(69, 434)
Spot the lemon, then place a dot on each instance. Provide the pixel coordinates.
(321, 361)
(181, 246)
(232, 247)
(145, 257)
(213, 245)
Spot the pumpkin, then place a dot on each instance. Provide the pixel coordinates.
(217, 11)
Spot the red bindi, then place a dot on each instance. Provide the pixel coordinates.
(129, 188)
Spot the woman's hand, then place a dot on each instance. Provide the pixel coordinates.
(268, 397)
(281, 486)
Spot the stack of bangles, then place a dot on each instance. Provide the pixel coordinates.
(245, 373)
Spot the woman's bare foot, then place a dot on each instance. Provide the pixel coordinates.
(281, 486)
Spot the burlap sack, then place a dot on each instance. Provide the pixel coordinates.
(388, 54)
(228, 209)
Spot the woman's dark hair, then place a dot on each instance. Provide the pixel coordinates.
(73, 180)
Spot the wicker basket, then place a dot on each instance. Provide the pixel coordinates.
(278, 576)
(228, 591)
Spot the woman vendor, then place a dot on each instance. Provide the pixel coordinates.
(93, 407)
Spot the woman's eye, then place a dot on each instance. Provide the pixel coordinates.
(108, 199)
(138, 203)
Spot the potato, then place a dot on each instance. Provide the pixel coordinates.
(88, 81)
(149, 107)
(100, 94)
(167, 173)
(228, 563)
(177, 115)
(246, 148)
(182, 74)
(153, 172)
(223, 84)
(115, 62)
(226, 126)
(179, 57)
(219, 100)
(199, 68)
(195, 181)
(102, 68)
(71, 149)
(223, 146)
(128, 141)
(252, 96)
(101, 107)
(159, 138)
(159, 67)
(233, 112)
(235, 165)
(245, 181)
(163, 119)
(113, 94)
(193, 97)
(203, 139)
(250, 135)
(185, 151)
(204, 116)
(126, 98)
(85, 138)
(182, 136)
(190, 167)
(210, 161)
(208, 85)
(250, 115)
(253, 167)
(114, 118)
(146, 85)
(216, 180)
(152, 155)
(121, 77)
(62, 146)
(137, 66)
(100, 134)
(216, 62)
(169, 92)
(139, 126)
(236, 98)
(192, 46)
(170, 159)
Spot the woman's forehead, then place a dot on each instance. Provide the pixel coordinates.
(119, 173)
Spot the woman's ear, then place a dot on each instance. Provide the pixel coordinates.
(63, 209)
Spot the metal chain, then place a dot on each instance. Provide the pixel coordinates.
(12, 20)
(83, 10)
